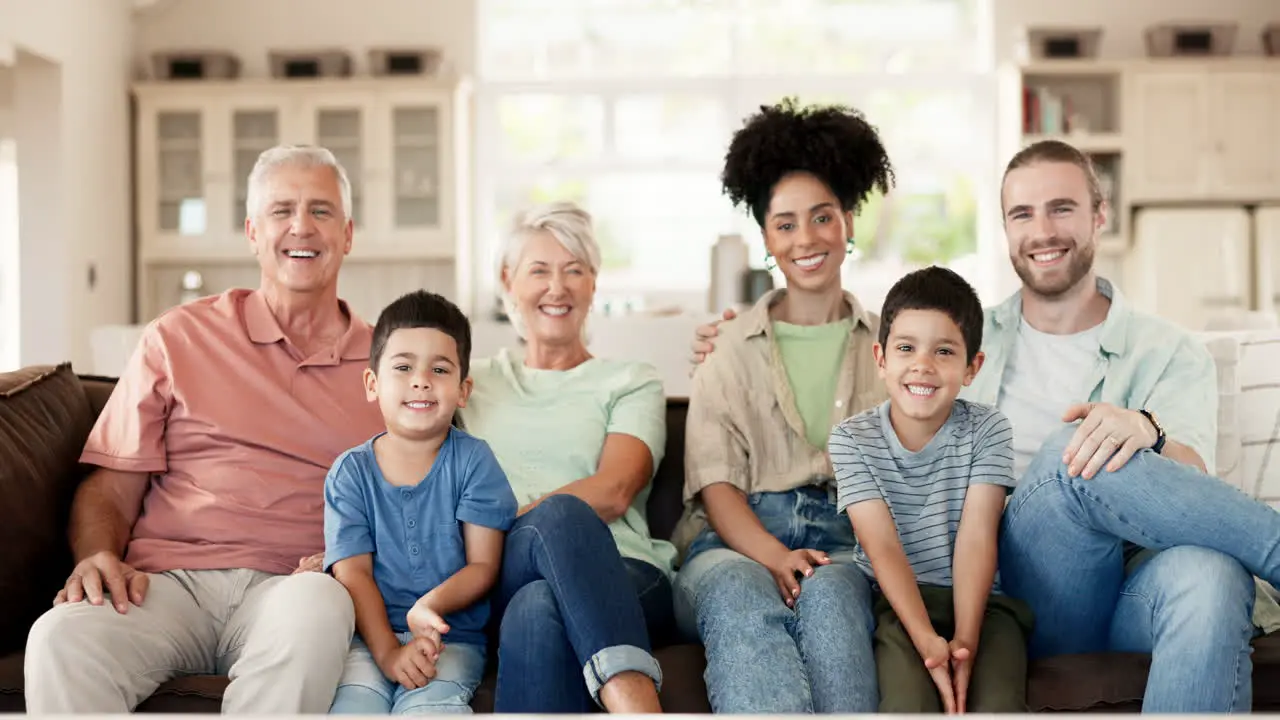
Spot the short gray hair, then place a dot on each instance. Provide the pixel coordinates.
(568, 223)
(294, 156)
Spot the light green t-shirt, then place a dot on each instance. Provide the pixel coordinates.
(812, 355)
(548, 427)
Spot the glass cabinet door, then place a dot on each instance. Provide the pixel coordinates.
(181, 172)
(339, 130)
(252, 132)
(416, 148)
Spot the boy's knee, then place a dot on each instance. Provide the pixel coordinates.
(439, 696)
(907, 689)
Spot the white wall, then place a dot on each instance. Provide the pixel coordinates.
(6, 100)
(250, 28)
(8, 227)
(44, 242)
(75, 190)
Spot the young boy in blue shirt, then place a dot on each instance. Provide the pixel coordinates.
(923, 478)
(414, 522)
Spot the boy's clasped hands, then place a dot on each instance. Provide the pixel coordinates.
(413, 664)
(950, 664)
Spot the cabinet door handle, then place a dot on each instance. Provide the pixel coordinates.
(1222, 301)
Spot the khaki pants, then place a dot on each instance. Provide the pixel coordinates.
(282, 639)
(999, 680)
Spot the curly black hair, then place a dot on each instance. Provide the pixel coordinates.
(833, 142)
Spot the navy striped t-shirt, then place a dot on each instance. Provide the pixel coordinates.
(924, 490)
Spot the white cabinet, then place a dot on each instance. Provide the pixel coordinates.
(1190, 265)
(1203, 133)
(1246, 131)
(1267, 264)
(1169, 119)
(196, 143)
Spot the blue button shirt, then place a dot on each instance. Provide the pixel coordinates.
(414, 532)
(1144, 362)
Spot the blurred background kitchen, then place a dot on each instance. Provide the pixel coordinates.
(128, 127)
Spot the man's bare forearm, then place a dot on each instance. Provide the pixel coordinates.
(106, 506)
(1178, 452)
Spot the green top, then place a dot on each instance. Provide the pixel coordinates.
(812, 355)
(548, 428)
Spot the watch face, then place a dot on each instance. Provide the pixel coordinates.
(1155, 422)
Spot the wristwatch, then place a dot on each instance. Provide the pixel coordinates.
(1160, 436)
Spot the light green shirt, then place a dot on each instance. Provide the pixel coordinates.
(812, 355)
(548, 428)
(1144, 362)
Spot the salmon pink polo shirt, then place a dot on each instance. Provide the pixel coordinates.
(237, 429)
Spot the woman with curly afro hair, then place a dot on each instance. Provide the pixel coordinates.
(768, 582)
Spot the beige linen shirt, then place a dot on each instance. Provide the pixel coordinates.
(743, 426)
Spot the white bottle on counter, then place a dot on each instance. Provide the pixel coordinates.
(728, 263)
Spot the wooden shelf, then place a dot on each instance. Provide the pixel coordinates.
(1084, 67)
(1092, 143)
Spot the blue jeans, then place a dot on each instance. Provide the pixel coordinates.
(1189, 604)
(573, 612)
(364, 690)
(762, 656)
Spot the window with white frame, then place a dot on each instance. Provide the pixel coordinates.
(627, 106)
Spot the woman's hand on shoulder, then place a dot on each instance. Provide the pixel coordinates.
(702, 344)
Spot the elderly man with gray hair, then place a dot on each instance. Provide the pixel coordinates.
(210, 462)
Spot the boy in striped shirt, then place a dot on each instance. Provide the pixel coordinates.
(924, 478)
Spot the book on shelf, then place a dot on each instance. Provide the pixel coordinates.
(1045, 112)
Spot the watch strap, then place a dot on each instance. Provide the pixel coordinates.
(1160, 436)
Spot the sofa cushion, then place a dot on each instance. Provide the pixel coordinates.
(666, 497)
(1116, 681)
(98, 389)
(1259, 415)
(44, 421)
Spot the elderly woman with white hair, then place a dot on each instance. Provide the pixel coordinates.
(583, 586)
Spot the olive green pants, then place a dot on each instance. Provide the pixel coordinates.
(999, 679)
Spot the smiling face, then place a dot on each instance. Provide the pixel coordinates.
(1051, 226)
(807, 233)
(923, 364)
(552, 290)
(419, 384)
(299, 232)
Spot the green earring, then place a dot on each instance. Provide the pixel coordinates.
(849, 251)
(769, 263)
